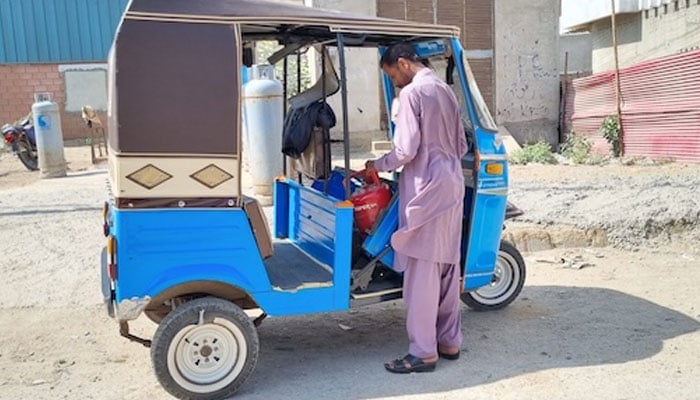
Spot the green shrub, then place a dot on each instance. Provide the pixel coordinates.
(577, 148)
(540, 152)
(610, 129)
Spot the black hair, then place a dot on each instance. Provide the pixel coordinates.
(400, 50)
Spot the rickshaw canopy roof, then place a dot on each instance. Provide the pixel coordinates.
(262, 18)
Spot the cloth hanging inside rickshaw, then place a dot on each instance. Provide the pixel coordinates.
(300, 123)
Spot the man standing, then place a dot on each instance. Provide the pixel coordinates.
(429, 143)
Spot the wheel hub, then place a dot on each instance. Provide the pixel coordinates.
(208, 354)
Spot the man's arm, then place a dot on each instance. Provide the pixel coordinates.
(407, 137)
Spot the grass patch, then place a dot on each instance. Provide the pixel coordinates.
(540, 152)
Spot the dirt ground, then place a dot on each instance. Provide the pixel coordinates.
(610, 308)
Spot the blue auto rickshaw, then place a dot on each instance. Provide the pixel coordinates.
(189, 250)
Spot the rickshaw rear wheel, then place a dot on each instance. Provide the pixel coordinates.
(508, 280)
(204, 349)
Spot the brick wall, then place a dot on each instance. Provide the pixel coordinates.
(19, 82)
(473, 17)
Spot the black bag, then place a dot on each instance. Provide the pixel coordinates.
(299, 124)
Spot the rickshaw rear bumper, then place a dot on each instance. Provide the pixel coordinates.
(107, 291)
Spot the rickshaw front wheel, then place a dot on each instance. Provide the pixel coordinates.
(508, 280)
(204, 349)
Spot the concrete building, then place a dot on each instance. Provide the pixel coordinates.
(575, 51)
(512, 47)
(527, 69)
(646, 29)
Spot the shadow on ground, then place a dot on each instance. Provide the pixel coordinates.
(548, 327)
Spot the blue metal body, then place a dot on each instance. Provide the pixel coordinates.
(53, 31)
(161, 249)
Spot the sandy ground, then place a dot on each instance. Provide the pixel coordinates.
(615, 322)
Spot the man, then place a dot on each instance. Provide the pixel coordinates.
(429, 143)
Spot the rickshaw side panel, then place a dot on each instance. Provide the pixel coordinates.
(485, 237)
(320, 226)
(490, 194)
(161, 248)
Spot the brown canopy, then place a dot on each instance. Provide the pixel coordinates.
(176, 66)
(279, 17)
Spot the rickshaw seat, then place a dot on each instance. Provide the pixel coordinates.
(258, 223)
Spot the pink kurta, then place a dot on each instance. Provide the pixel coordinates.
(429, 143)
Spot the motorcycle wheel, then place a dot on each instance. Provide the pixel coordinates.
(27, 155)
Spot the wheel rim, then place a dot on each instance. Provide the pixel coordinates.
(206, 358)
(505, 276)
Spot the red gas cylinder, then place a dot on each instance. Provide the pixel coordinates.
(369, 200)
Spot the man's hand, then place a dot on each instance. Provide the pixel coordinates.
(369, 165)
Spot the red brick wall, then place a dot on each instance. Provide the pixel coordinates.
(473, 17)
(19, 82)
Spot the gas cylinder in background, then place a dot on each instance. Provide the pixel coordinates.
(370, 200)
(49, 137)
(263, 121)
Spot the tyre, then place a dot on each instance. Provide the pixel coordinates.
(26, 155)
(204, 349)
(507, 282)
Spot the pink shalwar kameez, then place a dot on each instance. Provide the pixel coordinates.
(429, 143)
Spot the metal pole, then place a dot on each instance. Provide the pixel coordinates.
(284, 97)
(298, 73)
(299, 175)
(618, 94)
(326, 132)
(344, 98)
(562, 112)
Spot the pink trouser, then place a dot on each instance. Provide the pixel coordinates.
(431, 295)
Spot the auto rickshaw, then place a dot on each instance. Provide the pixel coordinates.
(188, 249)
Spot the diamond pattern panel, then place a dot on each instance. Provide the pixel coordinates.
(211, 176)
(149, 176)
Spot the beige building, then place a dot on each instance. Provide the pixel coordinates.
(646, 29)
(511, 46)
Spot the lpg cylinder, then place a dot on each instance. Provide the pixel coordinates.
(370, 200)
(263, 109)
(49, 139)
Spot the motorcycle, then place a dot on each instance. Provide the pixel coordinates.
(20, 135)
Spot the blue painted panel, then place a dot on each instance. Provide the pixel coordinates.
(84, 29)
(62, 26)
(281, 209)
(312, 221)
(160, 248)
(7, 33)
(18, 26)
(305, 301)
(39, 29)
(342, 255)
(52, 31)
(381, 236)
(487, 224)
(490, 203)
